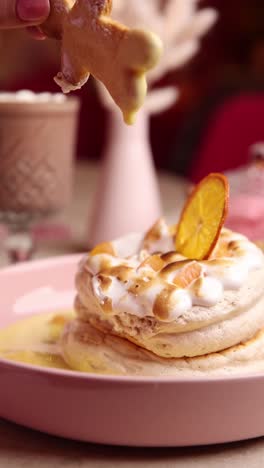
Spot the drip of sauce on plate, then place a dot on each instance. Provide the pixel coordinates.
(34, 340)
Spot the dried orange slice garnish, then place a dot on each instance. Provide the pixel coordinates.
(103, 248)
(202, 217)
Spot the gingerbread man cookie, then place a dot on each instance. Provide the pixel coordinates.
(92, 43)
(59, 9)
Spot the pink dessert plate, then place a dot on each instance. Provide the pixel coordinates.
(110, 409)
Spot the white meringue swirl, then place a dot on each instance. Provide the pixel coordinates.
(147, 291)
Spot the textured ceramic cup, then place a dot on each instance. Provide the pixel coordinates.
(37, 144)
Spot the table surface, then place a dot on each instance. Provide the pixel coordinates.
(20, 447)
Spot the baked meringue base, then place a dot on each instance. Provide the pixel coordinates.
(200, 331)
(88, 349)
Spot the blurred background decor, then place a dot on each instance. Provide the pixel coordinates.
(128, 198)
(229, 62)
(221, 102)
(218, 113)
(246, 210)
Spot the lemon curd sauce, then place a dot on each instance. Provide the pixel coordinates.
(34, 340)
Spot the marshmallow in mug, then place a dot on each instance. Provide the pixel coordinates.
(29, 96)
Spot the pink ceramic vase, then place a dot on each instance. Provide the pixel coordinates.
(127, 198)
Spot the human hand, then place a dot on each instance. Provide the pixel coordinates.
(24, 13)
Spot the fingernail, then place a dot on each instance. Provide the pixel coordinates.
(32, 10)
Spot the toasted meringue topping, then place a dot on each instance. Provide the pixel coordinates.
(154, 280)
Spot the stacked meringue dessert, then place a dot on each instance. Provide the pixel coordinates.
(177, 300)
